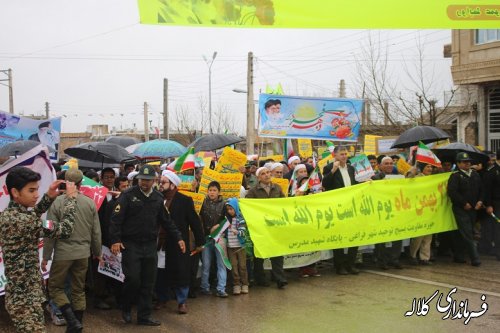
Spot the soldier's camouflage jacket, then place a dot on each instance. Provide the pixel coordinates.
(20, 231)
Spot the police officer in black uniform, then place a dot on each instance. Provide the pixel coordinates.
(465, 192)
(492, 200)
(133, 232)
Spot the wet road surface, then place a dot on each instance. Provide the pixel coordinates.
(373, 301)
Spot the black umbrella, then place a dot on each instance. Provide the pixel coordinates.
(20, 147)
(426, 134)
(450, 151)
(214, 142)
(102, 152)
(123, 141)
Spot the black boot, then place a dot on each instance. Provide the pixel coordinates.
(79, 315)
(72, 324)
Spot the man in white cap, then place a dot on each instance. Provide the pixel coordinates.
(277, 170)
(292, 163)
(263, 190)
(177, 272)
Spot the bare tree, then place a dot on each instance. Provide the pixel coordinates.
(224, 119)
(392, 103)
(373, 77)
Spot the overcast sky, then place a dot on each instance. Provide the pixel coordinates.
(95, 64)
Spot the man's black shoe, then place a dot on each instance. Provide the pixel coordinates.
(281, 284)
(126, 316)
(148, 322)
(476, 263)
(342, 271)
(396, 264)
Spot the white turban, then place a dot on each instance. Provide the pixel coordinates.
(269, 165)
(292, 159)
(132, 175)
(300, 166)
(174, 179)
(164, 166)
(259, 170)
(276, 165)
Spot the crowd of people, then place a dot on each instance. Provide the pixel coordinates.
(162, 240)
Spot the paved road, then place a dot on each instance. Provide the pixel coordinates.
(374, 301)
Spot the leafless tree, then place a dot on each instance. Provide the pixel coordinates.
(392, 103)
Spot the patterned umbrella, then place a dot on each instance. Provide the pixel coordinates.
(159, 149)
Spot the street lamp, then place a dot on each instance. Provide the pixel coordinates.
(209, 64)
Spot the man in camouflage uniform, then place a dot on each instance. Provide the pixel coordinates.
(21, 228)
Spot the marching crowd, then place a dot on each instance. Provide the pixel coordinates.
(162, 239)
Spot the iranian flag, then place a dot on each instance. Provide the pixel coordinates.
(329, 151)
(94, 191)
(313, 183)
(288, 149)
(183, 162)
(425, 155)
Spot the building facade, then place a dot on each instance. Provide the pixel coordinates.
(476, 70)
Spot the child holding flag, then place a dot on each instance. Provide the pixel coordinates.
(212, 214)
(236, 235)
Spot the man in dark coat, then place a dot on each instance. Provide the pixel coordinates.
(178, 264)
(387, 256)
(341, 175)
(492, 202)
(134, 233)
(465, 192)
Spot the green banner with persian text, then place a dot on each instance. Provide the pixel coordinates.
(368, 213)
(399, 14)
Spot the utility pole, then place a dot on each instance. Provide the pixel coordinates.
(47, 112)
(342, 89)
(250, 107)
(8, 72)
(166, 133)
(146, 122)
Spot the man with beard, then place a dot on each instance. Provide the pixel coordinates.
(177, 272)
(134, 232)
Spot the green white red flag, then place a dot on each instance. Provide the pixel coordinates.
(183, 162)
(313, 183)
(288, 149)
(425, 155)
(94, 191)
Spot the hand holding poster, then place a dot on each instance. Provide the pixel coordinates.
(230, 182)
(230, 161)
(368, 213)
(283, 183)
(112, 266)
(306, 117)
(363, 168)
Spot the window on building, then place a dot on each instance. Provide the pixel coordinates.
(487, 36)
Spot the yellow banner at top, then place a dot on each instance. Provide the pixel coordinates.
(441, 14)
(369, 213)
